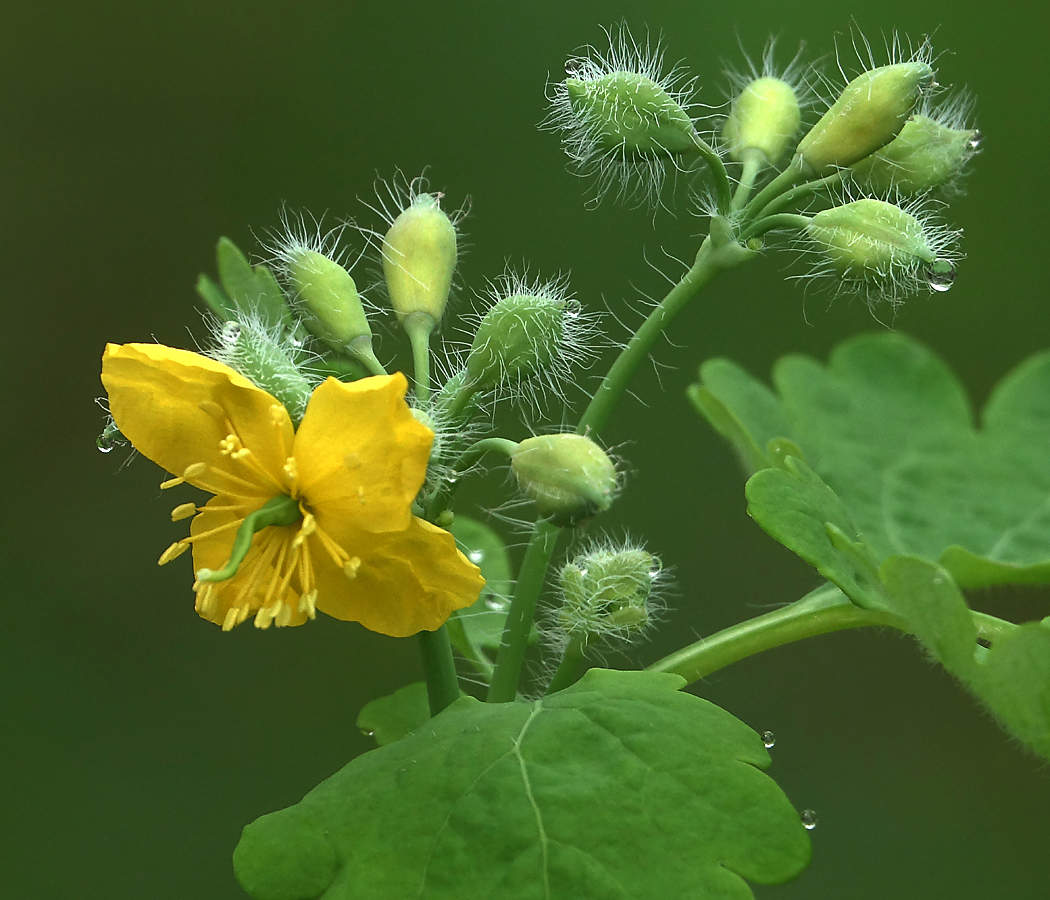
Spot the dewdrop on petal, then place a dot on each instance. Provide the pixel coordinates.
(868, 114)
(882, 250)
(930, 152)
(568, 476)
(419, 257)
(607, 592)
(764, 118)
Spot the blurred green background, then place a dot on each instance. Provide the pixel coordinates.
(138, 739)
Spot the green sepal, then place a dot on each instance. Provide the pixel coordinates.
(390, 718)
(619, 786)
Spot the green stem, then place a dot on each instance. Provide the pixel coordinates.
(360, 348)
(723, 190)
(753, 162)
(783, 221)
(439, 669)
(565, 674)
(790, 197)
(823, 611)
(774, 189)
(511, 654)
(418, 326)
(441, 499)
(719, 251)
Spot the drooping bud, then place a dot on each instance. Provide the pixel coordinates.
(419, 257)
(568, 476)
(882, 250)
(267, 359)
(764, 119)
(328, 294)
(868, 114)
(533, 332)
(927, 154)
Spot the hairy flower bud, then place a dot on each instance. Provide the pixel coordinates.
(868, 114)
(568, 476)
(606, 592)
(881, 249)
(419, 257)
(926, 154)
(764, 119)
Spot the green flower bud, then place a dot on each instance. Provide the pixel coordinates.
(568, 476)
(868, 114)
(259, 352)
(328, 297)
(419, 257)
(926, 154)
(881, 249)
(607, 592)
(764, 118)
(532, 333)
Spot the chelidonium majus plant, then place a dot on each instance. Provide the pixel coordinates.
(334, 480)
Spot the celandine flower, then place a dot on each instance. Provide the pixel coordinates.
(307, 519)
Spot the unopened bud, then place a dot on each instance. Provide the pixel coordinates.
(606, 592)
(330, 302)
(568, 476)
(925, 155)
(419, 257)
(764, 119)
(868, 114)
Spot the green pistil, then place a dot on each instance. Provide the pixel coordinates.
(281, 510)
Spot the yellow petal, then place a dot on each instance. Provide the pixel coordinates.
(407, 582)
(361, 454)
(173, 406)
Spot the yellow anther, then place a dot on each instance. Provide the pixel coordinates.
(361, 494)
(351, 566)
(183, 511)
(229, 445)
(290, 468)
(194, 471)
(242, 453)
(277, 414)
(308, 604)
(212, 409)
(232, 618)
(309, 525)
(352, 460)
(284, 614)
(175, 550)
(264, 617)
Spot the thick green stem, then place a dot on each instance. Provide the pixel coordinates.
(754, 160)
(439, 669)
(511, 654)
(418, 326)
(719, 251)
(565, 674)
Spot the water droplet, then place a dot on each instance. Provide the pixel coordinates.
(768, 740)
(973, 143)
(941, 275)
(476, 556)
(105, 442)
(496, 604)
(229, 333)
(809, 819)
(371, 734)
(296, 342)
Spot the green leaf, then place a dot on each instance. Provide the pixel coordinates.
(480, 626)
(888, 428)
(620, 786)
(251, 289)
(390, 718)
(216, 298)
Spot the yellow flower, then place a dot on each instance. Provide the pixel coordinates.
(346, 541)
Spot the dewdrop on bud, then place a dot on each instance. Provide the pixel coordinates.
(533, 331)
(568, 476)
(881, 249)
(763, 120)
(930, 152)
(259, 352)
(607, 592)
(419, 257)
(868, 114)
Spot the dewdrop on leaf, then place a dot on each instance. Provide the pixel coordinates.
(568, 476)
(607, 593)
(419, 257)
(881, 249)
(930, 152)
(764, 118)
(868, 114)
